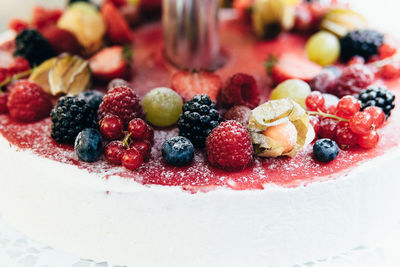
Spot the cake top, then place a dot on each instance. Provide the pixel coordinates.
(296, 97)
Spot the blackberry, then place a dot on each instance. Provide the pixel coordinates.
(199, 118)
(364, 43)
(379, 97)
(69, 117)
(31, 45)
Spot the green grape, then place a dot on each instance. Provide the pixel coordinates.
(295, 89)
(162, 106)
(323, 48)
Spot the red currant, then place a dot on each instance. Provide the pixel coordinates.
(361, 123)
(347, 107)
(4, 74)
(344, 136)
(369, 140)
(328, 128)
(390, 71)
(137, 128)
(315, 100)
(377, 114)
(315, 122)
(111, 127)
(3, 103)
(386, 50)
(149, 136)
(143, 146)
(132, 159)
(114, 152)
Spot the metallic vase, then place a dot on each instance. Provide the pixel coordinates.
(191, 33)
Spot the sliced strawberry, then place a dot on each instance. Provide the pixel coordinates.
(189, 84)
(109, 63)
(43, 17)
(292, 66)
(61, 40)
(118, 31)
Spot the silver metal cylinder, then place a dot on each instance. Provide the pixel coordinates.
(191, 33)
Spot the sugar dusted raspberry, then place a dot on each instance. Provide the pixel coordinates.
(241, 89)
(324, 81)
(28, 102)
(229, 146)
(240, 114)
(123, 102)
(353, 80)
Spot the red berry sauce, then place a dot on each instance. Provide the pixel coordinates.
(244, 54)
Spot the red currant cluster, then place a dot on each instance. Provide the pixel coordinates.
(18, 68)
(345, 123)
(134, 148)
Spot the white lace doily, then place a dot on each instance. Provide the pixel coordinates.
(17, 250)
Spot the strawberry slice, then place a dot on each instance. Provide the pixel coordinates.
(190, 83)
(111, 62)
(118, 31)
(292, 66)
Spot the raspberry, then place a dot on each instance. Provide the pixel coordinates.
(3, 103)
(123, 102)
(324, 81)
(19, 65)
(114, 152)
(241, 89)
(356, 60)
(353, 80)
(240, 114)
(111, 127)
(28, 102)
(229, 146)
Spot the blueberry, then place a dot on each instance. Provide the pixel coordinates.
(88, 145)
(177, 151)
(325, 150)
(93, 98)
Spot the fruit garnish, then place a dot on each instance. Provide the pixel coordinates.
(378, 96)
(111, 127)
(111, 62)
(132, 159)
(3, 103)
(177, 151)
(88, 145)
(61, 40)
(294, 89)
(162, 106)
(114, 152)
(291, 66)
(69, 75)
(190, 83)
(342, 20)
(325, 150)
(270, 17)
(40, 75)
(323, 48)
(240, 114)
(137, 128)
(364, 43)
(118, 31)
(92, 97)
(86, 23)
(353, 79)
(280, 112)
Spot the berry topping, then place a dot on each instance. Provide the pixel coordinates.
(315, 101)
(361, 123)
(241, 89)
(327, 128)
(377, 114)
(31, 45)
(188, 84)
(379, 97)
(240, 114)
(132, 159)
(110, 63)
(315, 123)
(111, 127)
(369, 140)
(42, 17)
(88, 145)
(143, 146)
(93, 98)
(3, 103)
(118, 31)
(123, 102)
(353, 80)
(138, 128)
(324, 81)
(325, 150)
(292, 66)
(229, 146)
(364, 43)
(199, 118)
(162, 106)
(344, 136)
(69, 117)
(114, 152)
(177, 151)
(28, 102)
(347, 107)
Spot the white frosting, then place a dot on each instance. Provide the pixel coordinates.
(69, 208)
